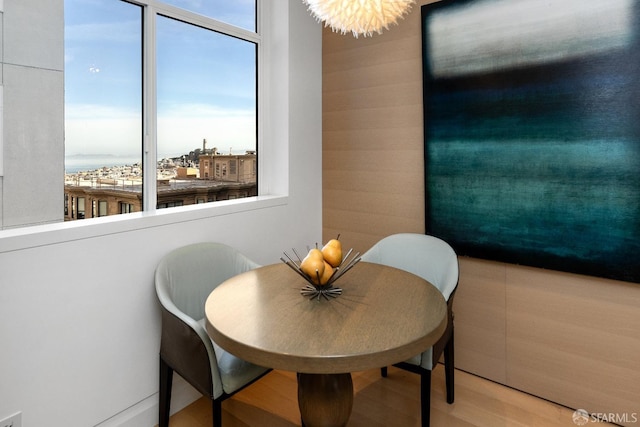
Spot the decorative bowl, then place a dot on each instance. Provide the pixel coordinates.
(314, 290)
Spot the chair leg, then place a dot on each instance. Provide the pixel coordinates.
(383, 372)
(425, 397)
(449, 368)
(166, 381)
(216, 405)
(298, 380)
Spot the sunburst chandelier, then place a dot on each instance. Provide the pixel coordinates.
(359, 17)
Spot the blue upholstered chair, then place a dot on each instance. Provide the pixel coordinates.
(435, 261)
(184, 279)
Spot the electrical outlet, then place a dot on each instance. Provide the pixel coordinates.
(14, 420)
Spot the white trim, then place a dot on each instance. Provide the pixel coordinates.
(204, 21)
(50, 234)
(145, 412)
(1, 120)
(150, 131)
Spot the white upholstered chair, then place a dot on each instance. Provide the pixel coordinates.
(435, 261)
(184, 279)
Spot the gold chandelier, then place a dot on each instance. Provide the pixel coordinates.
(359, 16)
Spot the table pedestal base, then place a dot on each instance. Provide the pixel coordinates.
(325, 400)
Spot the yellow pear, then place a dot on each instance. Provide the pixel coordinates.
(328, 272)
(332, 252)
(313, 264)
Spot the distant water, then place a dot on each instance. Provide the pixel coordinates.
(82, 163)
(74, 164)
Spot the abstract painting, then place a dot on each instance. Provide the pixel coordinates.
(532, 132)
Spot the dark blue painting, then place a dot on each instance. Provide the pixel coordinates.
(532, 132)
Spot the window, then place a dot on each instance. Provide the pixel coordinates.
(136, 128)
(126, 208)
(171, 204)
(103, 95)
(102, 208)
(206, 92)
(80, 207)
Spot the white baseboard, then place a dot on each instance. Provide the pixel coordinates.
(145, 413)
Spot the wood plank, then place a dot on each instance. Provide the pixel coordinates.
(372, 128)
(568, 333)
(386, 402)
(479, 309)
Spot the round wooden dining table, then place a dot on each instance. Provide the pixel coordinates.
(383, 316)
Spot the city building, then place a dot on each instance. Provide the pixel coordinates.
(118, 190)
(229, 167)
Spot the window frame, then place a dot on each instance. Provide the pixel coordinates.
(273, 166)
(151, 10)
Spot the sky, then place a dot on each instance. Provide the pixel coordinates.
(206, 81)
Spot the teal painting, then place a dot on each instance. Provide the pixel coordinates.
(532, 132)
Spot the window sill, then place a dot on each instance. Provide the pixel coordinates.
(49, 234)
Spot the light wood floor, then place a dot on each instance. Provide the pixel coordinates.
(386, 402)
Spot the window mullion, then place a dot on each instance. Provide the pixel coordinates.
(150, 132)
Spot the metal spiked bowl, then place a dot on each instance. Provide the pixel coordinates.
(327, 290)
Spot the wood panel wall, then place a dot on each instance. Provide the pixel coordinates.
(373, 167)
(572, 339)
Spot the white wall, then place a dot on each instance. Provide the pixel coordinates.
(32, 59)
(79, 321)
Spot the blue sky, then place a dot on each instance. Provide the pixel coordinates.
(206, 81)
